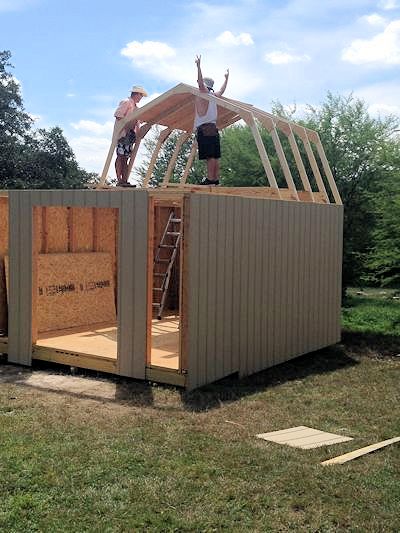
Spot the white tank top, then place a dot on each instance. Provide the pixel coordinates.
(210, 116)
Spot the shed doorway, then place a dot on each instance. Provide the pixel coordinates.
(165, 283)
(74, 318)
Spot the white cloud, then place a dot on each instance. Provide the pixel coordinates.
(94, 127)
(70, 95)
(277, 57)
(388, 4)
(144, 53)
(383, 48)
(90, 152)
(382, 98)
(227, 38)
(374, 19)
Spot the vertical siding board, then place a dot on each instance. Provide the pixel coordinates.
(229, 260)
(212, 288)
(202, 318)
(222, 262)
(265, 286)
(291, 287)
(331, 275)
(300, 273)
(258, 285)
(338, 254)
(139, 272)
(14, 355)
(253, 282)
(278, 282)
(237, 275)
(20, 278)
(321, 278)
(193, 293)
(126, 285)
(244, 288)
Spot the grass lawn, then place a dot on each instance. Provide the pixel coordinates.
(156, 459)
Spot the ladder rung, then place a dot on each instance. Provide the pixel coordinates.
(156, 305)
(166, 245)
(158, 289)
(174, 233)
(176, 220)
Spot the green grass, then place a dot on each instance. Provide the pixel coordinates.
(157, 459)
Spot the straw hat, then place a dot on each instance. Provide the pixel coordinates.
(138, 89)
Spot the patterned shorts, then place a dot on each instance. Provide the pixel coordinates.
(125, 144)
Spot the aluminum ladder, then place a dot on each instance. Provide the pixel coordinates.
(164, 261)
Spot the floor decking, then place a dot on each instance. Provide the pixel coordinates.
(101, 342)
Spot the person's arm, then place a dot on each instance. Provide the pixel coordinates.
(200, 81)
(223, 87)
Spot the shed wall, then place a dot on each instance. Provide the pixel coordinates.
(132, 268)
(264, 283)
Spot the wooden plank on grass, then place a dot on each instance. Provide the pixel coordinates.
(358, 453)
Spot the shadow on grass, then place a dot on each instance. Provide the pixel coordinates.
(231, 389)
(80, 383)
(370, 343)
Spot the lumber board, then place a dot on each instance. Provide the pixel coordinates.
(361, 451)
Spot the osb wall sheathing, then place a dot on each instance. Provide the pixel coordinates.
(105, 234)
(3, 253)
(74, 289)
(81, 229)
(76, 229)
(55, 235)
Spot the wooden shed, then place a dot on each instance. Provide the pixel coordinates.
(255, 279)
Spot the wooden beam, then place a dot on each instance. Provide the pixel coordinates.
(161, 139)
(249, 119)
(269, 123)
(313, 162)
(142, 133)
(181, 139)
(189, 162)
(328, 172)
(358, 453)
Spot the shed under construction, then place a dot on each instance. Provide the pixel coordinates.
(181, 284)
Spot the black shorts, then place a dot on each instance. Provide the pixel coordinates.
(209, 145)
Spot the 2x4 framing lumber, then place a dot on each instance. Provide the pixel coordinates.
(181, 139)
(249, 119)
(161, 140)
(358, 453)
(189, 162)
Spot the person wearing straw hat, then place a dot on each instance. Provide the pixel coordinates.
(127, 135)
(205, 125)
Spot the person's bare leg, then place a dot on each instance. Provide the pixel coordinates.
(213, 169)
(125, 170)
(118, 170)
(210, 168)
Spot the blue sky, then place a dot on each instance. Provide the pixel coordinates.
(76, 59)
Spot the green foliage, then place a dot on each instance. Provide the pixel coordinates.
(355, 144)
(32, 159)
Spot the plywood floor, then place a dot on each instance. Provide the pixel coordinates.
(102, 342)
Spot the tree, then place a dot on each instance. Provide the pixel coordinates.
(28, 158)
(355, 144)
